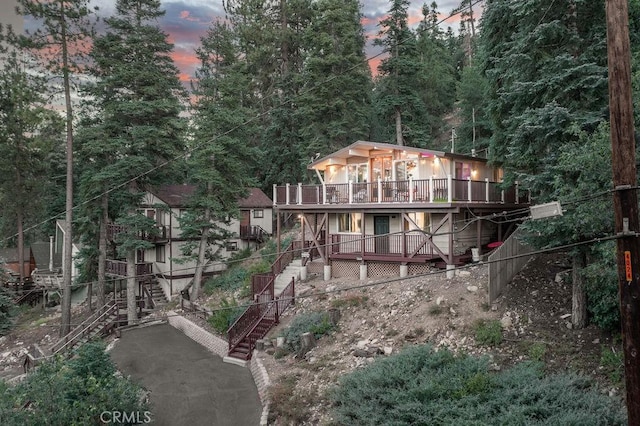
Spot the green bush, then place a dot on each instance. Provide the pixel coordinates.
(317, 323)
(601, 286)
(270, 249)
(229, 280)
(71, 392)
(427, 387)
(488, 332)
(7, 312)
(225, 315)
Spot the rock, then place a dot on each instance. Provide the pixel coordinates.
(565, 316)
(506, 322)
(362, 344)
(452, 312)
(472, 289)
(362, 353)
(388, 350)
(462, 273)
(569, 325)
(439, 300)
(596, 341)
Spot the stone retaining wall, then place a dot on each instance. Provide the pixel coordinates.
(220, 347)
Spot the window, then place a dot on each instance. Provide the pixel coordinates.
(357, 172)
(421, 221)
(232, 246)
(349, 222)
(258, 213)
(160, 254)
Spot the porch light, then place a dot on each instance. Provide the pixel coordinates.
(474, 172)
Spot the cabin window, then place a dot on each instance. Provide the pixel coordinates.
(381, 168)
(404, 169)
(463, 170)
(349, 222)
(258, 213)
(357, 172)
(420, 221)
(160, 254)
(232, 246)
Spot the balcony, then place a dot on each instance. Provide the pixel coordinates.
(118, 268)
(441, 190)
(159, 235)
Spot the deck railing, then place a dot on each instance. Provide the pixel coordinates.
(430, 190)
(393, 244)
(119, 268)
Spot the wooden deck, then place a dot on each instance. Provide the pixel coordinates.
(435, 192)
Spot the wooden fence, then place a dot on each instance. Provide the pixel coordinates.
(505, 263)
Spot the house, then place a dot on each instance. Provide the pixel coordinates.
(384, 210)
(10, 262)
(164, 262)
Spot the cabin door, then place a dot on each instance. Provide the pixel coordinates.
(381, 231)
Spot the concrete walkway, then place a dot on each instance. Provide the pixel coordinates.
(189, 385)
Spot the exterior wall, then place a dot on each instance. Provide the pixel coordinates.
(463, 239)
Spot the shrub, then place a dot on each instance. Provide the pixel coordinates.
(317, 323)
(601, 286)
(537, 351)
(424, 386)
(225, 315)
(612, 362)
(286, 406)
(7, 312)
(488, 332)
(71, 392)
(231, 279)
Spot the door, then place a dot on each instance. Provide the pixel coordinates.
(381, 230)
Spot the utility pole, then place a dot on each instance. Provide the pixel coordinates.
(625, 199)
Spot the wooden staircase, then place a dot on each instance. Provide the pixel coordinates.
(264, 313)
(103, 321)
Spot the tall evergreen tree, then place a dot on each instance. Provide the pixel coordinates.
(29, 133)
(220, 161)
(546, 66)
(139, 100)
(335, 103)
(60, 43)
(398, 102)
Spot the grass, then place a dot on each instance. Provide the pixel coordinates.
(488, 333)
(350, 301)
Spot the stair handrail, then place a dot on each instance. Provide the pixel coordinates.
(87, 324)
(147, 292)
(238, 330)
(284, 258)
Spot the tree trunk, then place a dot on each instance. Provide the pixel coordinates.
(65, 321)
(579, 300)
(102, 250)
(202, 249)
(399, 140)
(132, 314)
(20, 226)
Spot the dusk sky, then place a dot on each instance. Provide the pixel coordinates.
(187, 20)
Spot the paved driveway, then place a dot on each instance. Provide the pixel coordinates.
(189, 385)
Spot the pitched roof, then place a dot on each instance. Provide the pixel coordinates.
(178, 196)
(10, 255)
(256, 198)
(174, 195)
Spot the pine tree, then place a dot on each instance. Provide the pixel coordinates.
(28, 135)
(399, 104)
(139, 100)
(220, 161)
(335, 103)
(60, 43)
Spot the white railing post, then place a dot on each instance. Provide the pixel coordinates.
(450, 188)
(379, 190)
(469, 189)
(287, 197)
(299, 193)
(350, 192)
(431, 189)
(486, 189)
(324, 194)
(411, 189)
(517, 200)
(275, 195)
